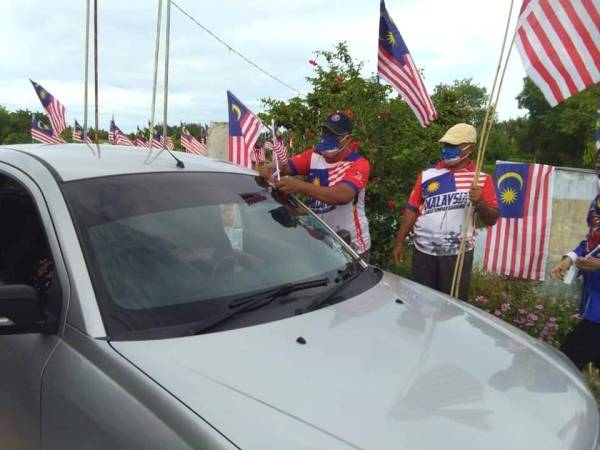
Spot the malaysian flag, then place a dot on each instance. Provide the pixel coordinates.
(78, 134)
(140, 139)
(278, 150)
(190, 143)
(395, 65)
(54, 109)
(257, 155)
(157, 141)
(559, 43)
(244, 128)
(43, 133)
(518, 244)
(116, 136)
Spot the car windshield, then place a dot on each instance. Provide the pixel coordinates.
(168, 249)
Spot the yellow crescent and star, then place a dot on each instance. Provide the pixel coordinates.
(236, 109)
(509, 195)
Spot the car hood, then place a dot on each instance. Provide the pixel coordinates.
(398, 367)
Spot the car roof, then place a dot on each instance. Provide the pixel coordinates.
(77, 161)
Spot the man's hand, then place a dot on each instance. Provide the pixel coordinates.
(398, 253)
(587, 264)
(475, 195)
(290, 185)
(266, 172)
(561, 268)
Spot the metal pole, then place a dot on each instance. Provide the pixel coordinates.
(96, 71)
(166, 83)
(156, 50)
(85, 69)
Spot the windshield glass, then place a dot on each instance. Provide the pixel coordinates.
(167, 249)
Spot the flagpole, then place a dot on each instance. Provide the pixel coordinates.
(96, 72)
(166, 80)
(483, 140)
(274, 155)
(156, 50)
(85, 70)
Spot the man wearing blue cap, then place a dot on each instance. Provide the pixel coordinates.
(336, 180)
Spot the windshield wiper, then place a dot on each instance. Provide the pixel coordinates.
(346, 275)
(256, 301)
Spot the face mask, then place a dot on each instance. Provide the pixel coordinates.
(328, 144)
(450, 153)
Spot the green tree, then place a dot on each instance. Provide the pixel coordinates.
(390, 135)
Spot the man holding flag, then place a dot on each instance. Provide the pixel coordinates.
(437, 209)
(336, 183)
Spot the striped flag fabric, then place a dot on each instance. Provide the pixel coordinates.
(140, 139)
(396, 66)
(54, 109)
(43, 133)
(279, 150)
(116, 136)
(559, 44)
(244, 128)
(257, 155)
(190, 143)
(78, 134)
(517, 245)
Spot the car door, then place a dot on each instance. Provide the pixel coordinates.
(29, 250)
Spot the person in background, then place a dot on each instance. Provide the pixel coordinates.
(337, 177)
(582, 345)
(437, 209)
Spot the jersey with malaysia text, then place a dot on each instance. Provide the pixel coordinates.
(441, 198)
(353, 171)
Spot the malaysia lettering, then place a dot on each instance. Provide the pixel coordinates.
(452, 200)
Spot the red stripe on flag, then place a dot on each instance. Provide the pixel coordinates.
(539, 67)
(551, 51)
(588, 41)
(567, 42)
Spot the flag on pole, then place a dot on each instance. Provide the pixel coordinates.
(190, 143)
(279, 150)
(395, 65)
(43, 133)
(78, 134)
(140, 139)
(257, 155)
(54, 109)
(244, 128)
(116, 136)
(518, 244)
(559, 44)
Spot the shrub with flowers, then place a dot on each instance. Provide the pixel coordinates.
(520, 303)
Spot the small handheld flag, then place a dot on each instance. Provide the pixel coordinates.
(244, 127)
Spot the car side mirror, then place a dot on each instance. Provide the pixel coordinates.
(346, 236)
(20, 310)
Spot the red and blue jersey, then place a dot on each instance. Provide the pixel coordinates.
(353, 171)
(441, 198)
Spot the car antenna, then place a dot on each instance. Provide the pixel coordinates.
(163, 140)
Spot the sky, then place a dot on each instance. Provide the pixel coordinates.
(44, 41)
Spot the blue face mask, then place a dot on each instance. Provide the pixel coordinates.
(328, 144)
(450, 152)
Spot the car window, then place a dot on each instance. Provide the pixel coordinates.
(25, 256)
(168, 249)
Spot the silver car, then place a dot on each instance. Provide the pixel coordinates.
(146, 306)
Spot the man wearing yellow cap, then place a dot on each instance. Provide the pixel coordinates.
(436, 211)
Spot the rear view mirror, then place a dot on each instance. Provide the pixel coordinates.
(20, 310)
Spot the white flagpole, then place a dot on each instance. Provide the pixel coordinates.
(156, 50)
(275, 157)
